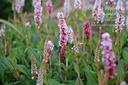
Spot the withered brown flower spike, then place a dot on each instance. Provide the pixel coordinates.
(45, 54)
(40, 75)
(75, 47)
(97, 55)
(97, 52)
(33, 67)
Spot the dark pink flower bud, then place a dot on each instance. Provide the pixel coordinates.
(86, 29)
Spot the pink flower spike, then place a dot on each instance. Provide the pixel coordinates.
(18, 5)
(119, 22)
(119, 6)
(49, 6)
(95, 9)
(38, 12)
(50, 48)
(86, 29)
(63, 34)
(108, 58)
(70, 35)
(77, 4)
(106, 42)
(66, 8)
(100, 16)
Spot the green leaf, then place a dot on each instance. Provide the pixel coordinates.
(6, 61)
(70, 82)
(2, 70)
(123, 38)
(13, 56)
(91, 77)
(126, 76)
(125, 54)
(76, 83)
(11, 25)
(120, 70)
(76, 68)
(32, 52)
(53, 82)
(22, 69)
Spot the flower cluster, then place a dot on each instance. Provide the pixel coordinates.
(97, 12)
(87, 30)
(63, 29)
(119, 22)
(63, 34)
(49, 6)
(50, 47)
(119, 6)
(66, 8)
(70, 35)
(100, 16)
(27, 24)
(18, 5)
(108, 56)
(96, 7)
(38, 12)
(77, 4)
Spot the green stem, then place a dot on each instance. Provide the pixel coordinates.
(78, 79)
(39, 34)
(51, 64)
(49, 24)
(87, 46)
(77, 23)
(66, 73)
(59, 69)
(77, 63)
(45, 73)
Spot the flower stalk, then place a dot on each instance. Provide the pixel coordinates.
(41, 73)
(33, 67)
(76, 49)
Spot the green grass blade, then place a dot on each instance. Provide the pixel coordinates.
(11, 25)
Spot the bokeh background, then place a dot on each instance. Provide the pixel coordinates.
(6, 7)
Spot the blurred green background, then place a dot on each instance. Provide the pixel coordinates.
(6, 7)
